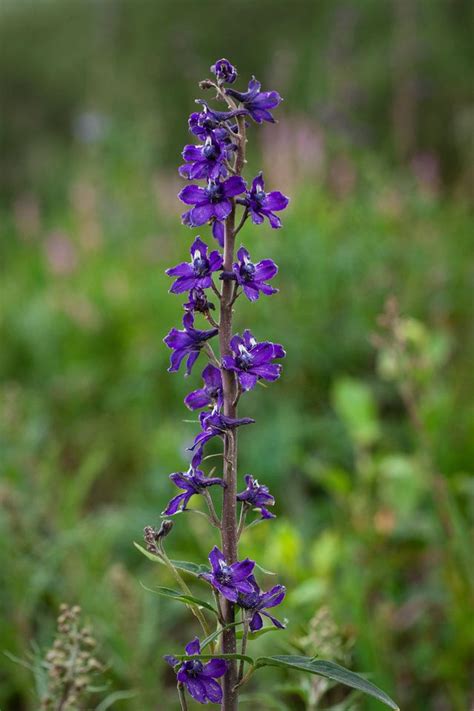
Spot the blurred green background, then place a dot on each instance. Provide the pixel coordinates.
(366, 443)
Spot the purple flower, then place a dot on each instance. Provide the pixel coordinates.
(187, 343)
(191, 482)
(252, 277)
(252, 361)
(214, 201)
(261, 204)
(206, 161)
(225, 72)
(257, 602)
(198, 678)
(256, 102)
(210, 394)
(214, 424)
(208, 122)
(198, 302)
(257, 495)
(229, 580)
(198, 272)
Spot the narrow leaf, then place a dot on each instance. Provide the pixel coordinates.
(258, 633)
(330, 670)
(216, 634)
(180, 597)
(206, 657)
(193, 568)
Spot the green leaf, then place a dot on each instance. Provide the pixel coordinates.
(180, 597)
(206, 657)
(217, 632)
(193, 568)
(263, 570)
(330, 670)
(147, 554)
(258, 633)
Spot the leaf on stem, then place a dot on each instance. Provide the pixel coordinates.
(180, 597)
(330, 670)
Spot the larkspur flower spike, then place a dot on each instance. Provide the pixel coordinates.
(236, 363)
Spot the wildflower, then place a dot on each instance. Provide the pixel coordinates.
(191, 482)
(214, 424)
(225, 72)
(256, 102)
(229, 580)
(252, 277)
(257, 495)
(210, 394)
(208, 160)
(261, 204)
(198, 302)
(256, 603)
(198, 678)
(252, 361)
(214, 201)
(198, 272)
(187, 343)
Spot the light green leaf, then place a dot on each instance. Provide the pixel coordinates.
(193, 568)
(216, 634)
(206, 657)
(330, 670)
(258, 633)
(180, 597)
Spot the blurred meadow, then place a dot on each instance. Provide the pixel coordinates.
(367, 441)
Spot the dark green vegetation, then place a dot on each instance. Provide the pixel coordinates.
(368, 451)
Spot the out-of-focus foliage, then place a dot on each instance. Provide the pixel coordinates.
(366, 441)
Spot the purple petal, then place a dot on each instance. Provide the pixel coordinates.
(262, 353)
(196, 689)
(192, 358)
(256, 623)
(251, 291)
(242, 570)
(233, 186)
(267, 289)
(274, 596)
(192, 194)
(174, 504)
(192, 152)
(213, 689)
(193, 647)
(278, 351)
(197, 399)
(201, 214)
(172, 661)
(176, 359)
(276, 622)
(257, 218)
(269, 371)
(215, 556)
(229, 593)
(218, 232)
(199, 246)
(183, 269)
(222, 209)
(215, 261)
(215, 668)
(235, 342)
(183, 284)
(274, 220)
(242, 254)
(212, 376)
(247, 381)
(276, 201)
(264, 270)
